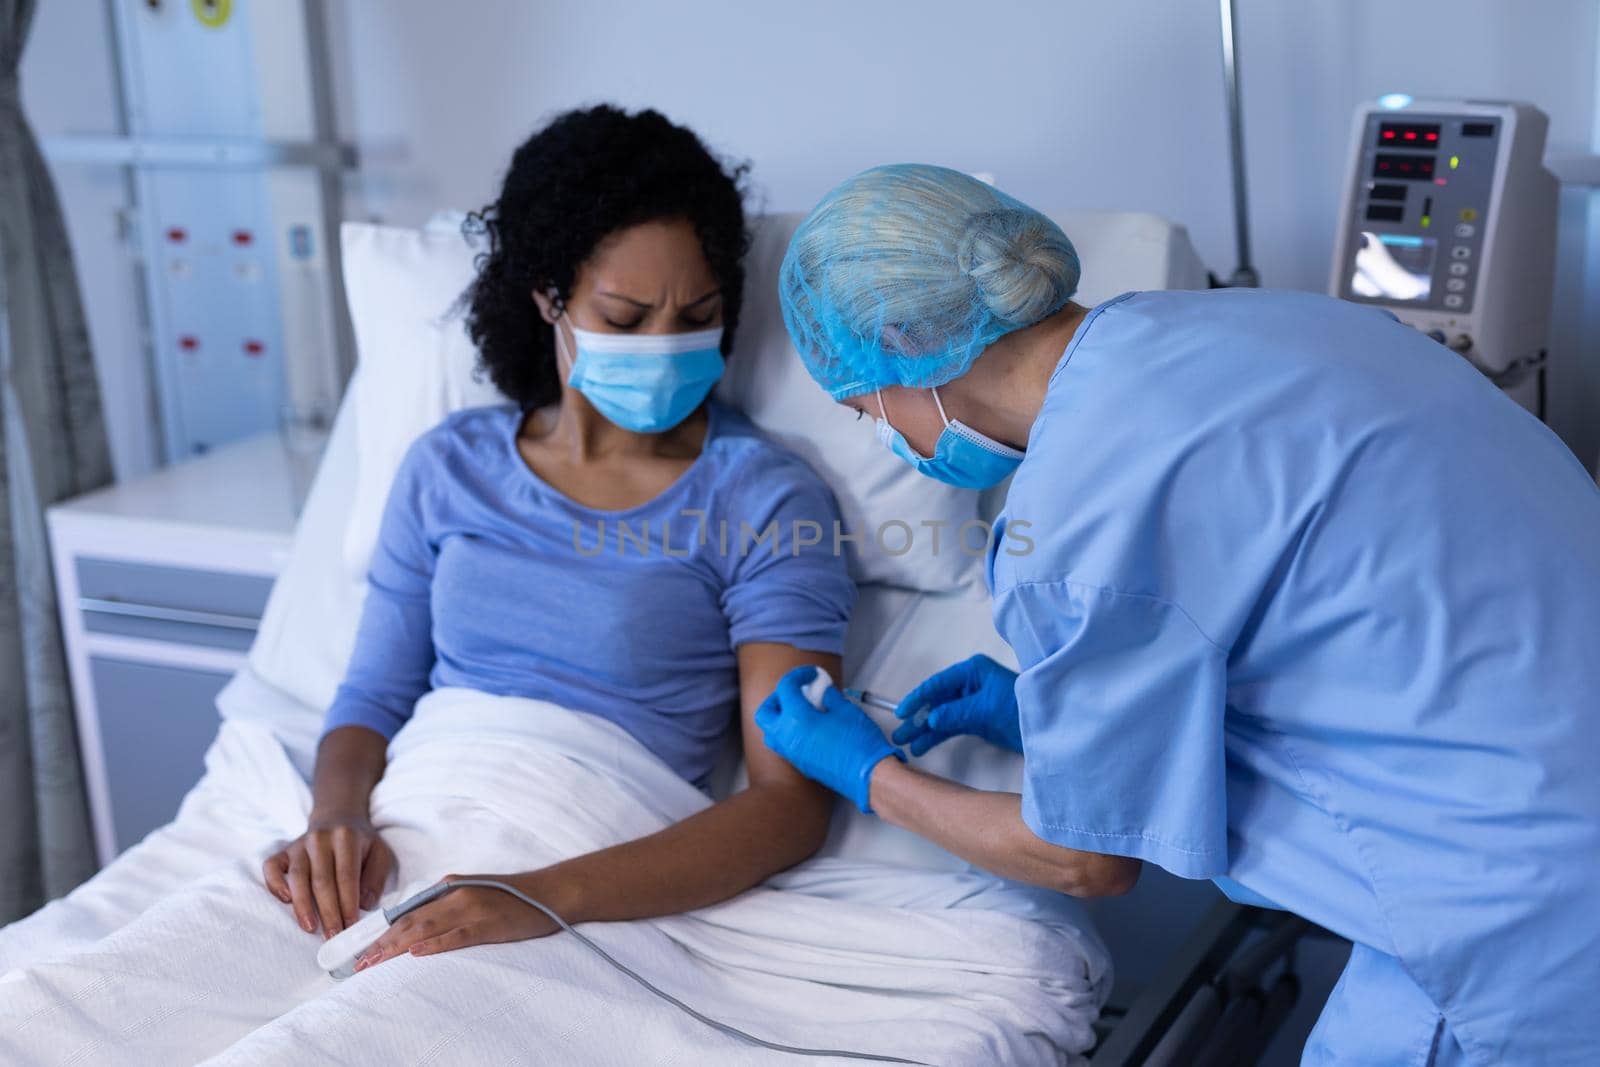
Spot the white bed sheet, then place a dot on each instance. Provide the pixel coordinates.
(896, 638)
(476, 782)
(234, 811)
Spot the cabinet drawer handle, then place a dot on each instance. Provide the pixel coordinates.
(149, 611)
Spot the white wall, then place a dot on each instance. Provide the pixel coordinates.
(1069, 104)
(1072, 104)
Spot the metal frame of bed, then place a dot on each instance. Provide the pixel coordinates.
(1217, 1001)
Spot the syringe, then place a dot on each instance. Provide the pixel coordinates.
(872, 700)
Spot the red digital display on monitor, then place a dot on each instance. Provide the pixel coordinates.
(1403, 167)
(1408, 135)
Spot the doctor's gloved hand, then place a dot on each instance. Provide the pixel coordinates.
(836, 744)
(976, 696)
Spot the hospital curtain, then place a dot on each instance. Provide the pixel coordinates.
(53, 446)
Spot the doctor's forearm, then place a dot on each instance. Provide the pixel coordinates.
(986, 829)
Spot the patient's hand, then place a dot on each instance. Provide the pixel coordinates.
(340, 862)
(476, 915)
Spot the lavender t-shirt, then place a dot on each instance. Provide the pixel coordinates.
(486, 577)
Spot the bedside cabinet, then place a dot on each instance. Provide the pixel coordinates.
(161, 583)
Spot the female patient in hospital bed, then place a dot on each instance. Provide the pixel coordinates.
(563, 615)
(544, 551)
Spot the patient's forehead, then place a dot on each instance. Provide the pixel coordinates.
(661, 262)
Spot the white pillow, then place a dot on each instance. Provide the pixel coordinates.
(309, 627)
(403, 288)
(875, 489)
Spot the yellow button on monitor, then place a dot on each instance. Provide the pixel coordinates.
(212, 13)
(1469, 214)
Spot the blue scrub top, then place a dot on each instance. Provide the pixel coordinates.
(1311, 606)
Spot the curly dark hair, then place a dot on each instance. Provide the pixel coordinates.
(586, 175)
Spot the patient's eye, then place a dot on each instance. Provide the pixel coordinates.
(615, 325)
(698, 321)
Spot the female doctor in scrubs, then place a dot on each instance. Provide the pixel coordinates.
(1312, 610)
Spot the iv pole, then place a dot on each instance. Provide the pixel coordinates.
(1245, 274)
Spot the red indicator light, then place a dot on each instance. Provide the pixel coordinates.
(1433, 137)
(188, 342)
(177, 235)
(254, 348)
(1388, 135)
(242, 237)
(1411, 135)
(1439, 181)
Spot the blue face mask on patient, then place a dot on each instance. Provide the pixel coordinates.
(646, 383)
(962, 456)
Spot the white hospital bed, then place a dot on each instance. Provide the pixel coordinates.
(916, 614)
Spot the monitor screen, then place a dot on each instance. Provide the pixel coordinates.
(1391, 266)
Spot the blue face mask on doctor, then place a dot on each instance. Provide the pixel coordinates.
(962, 456)
(646, 383)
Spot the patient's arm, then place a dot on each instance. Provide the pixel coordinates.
(986, 829)
(781, 819)
(340, 862)
(778, 821)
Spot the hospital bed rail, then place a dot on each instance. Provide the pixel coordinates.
(1217, 1001)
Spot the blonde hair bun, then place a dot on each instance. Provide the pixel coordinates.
(904, 274)
(1022, 265)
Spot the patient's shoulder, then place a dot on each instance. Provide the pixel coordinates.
(468, 431)
(739, 443)
(494, 420)
(751, 461)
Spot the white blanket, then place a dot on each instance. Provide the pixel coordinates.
(219, 972)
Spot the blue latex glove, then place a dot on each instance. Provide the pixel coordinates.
(976, 696)
(836, 745)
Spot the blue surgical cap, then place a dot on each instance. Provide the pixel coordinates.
(904, 274)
